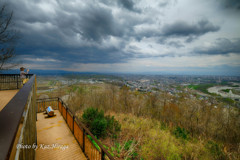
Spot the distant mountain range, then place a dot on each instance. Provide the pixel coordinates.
(62, 72)
(41, 72)
(54, 72)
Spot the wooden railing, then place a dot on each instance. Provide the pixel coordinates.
(42, 104)
(79, 130)
(11, 81)
(18, 123)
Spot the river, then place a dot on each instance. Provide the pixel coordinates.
(217, 90)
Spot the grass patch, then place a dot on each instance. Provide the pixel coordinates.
(158, 142)
(226, 90)
(201, 87)
(215, 150)
(227, 100)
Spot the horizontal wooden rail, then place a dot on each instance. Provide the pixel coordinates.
(21, 107)
(79, 130)
(11, 81)
(42, 104)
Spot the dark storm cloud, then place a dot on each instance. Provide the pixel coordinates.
(92, 22)
(56, 34)
(221, 46)
(96, 55)
(78, 55)
(230, 4)
(179, 29)
(97, 23)
(127, 4)
(75, 32)
(183, 29)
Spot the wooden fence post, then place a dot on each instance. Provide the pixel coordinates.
(102, 154)
(66, 113)
(73, 125)
(83, 140)
(17, 82)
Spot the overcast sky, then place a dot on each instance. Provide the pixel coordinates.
(129, 36)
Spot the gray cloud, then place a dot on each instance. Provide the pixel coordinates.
(182, 28)
(170, 43)
(78, 55)
(221, 46)
(230, 4)
(179, 29)
(175, 44)
(97, 23)
(165, 3)
(75, 33)
(128, 4)
(92, 22)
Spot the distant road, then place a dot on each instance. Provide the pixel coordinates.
(202, 94)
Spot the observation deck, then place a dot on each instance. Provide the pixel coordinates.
(6, 96)
(54, 132)
(27, 133)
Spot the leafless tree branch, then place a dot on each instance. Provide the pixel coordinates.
(7, 38)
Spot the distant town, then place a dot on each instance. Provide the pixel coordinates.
(209, 89)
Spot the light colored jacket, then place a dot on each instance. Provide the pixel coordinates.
(23, 74)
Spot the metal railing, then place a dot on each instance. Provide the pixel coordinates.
(79, 130)
(11, 81)
(18, 122)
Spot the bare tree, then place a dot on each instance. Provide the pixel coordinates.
(8, 37)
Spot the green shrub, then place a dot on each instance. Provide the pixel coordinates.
(181, 133)
(91, 114)
(113, 126)
(95, 121)
(100, 125)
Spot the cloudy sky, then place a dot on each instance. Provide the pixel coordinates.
(129, 36)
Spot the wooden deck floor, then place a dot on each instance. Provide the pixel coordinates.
(6, 96)
(55, 140)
